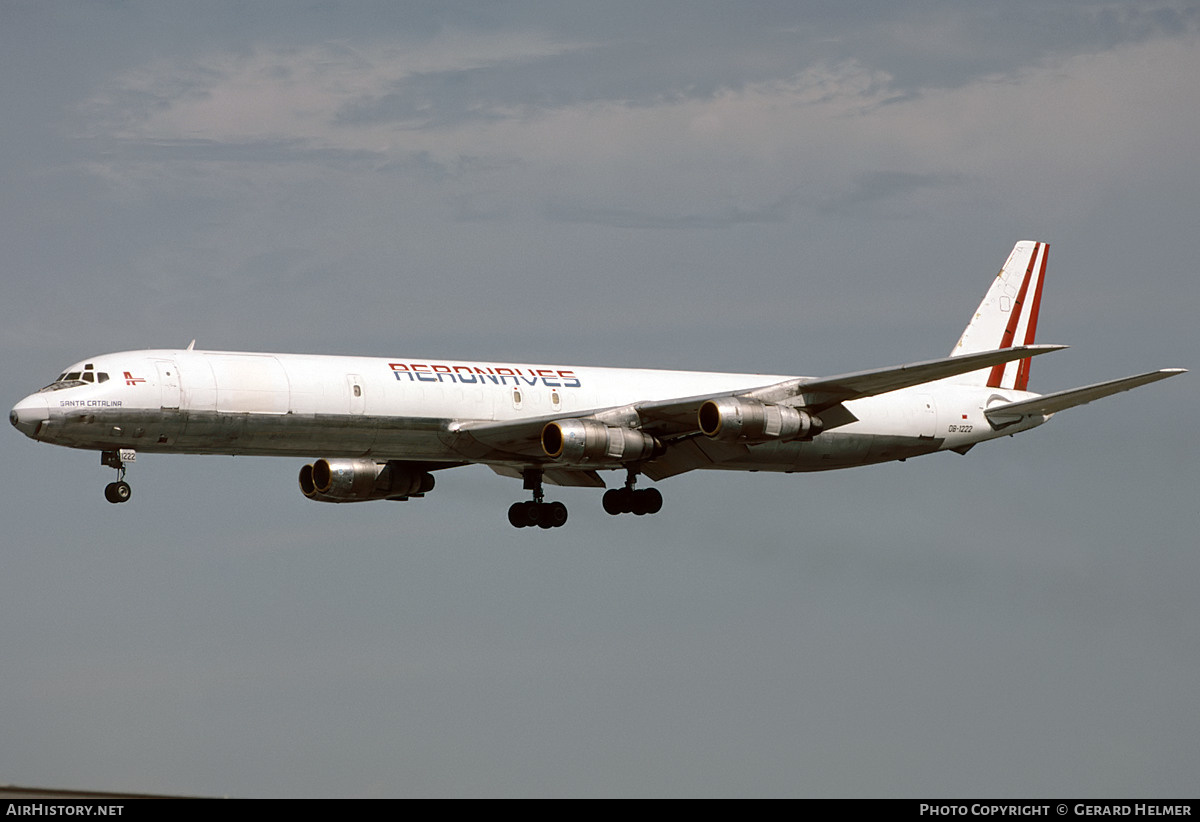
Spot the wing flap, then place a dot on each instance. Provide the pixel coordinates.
(689, 454)
(1048, 404)
(571, 477)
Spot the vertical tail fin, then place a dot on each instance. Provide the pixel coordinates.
(1007, 316)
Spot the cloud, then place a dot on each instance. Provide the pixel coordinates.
(737, 152)
(628, 218)
(889, 192)
(449, 199)
(316, 93)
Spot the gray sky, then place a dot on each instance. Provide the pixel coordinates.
(805, 188)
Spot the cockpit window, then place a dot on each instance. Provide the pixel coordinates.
(72, 379)
(59, 385)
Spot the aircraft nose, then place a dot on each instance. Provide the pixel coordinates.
(29, 415)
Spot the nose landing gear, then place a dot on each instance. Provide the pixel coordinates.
(118, 491)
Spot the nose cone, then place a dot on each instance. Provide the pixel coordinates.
(29, 415)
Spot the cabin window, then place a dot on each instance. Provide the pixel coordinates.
(358, 390)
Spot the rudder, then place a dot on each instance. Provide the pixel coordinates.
(1007, 316)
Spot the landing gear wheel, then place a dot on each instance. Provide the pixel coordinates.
(118, 492)
(653, 500)
(554, 513)
(542, 514)
(536, 511)
(530, 511)
(522, 514)
(613, 501)
(637, 503)
(516, 516)
(632, 501)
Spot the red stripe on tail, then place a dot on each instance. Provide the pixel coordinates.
(1011, 329)
(1023, 371)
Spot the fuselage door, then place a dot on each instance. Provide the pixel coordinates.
(168, 383)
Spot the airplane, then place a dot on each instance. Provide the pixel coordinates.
(378, 428)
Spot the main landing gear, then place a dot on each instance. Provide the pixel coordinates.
(118, 491)
(627, 500)
(537, 511)
(631, 500)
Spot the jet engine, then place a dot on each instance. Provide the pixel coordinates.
(737, 420)
(581, 442)
(360, 480)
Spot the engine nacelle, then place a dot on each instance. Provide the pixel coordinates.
(362, 480)
(581, 442)
(735, 420)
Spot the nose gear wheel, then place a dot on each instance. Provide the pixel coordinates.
(118, 491)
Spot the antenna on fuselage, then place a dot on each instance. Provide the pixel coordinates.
(191, 345)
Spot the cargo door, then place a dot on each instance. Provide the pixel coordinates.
(926, 416)
(168, 384)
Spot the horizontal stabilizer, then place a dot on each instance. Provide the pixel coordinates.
(1048, 404)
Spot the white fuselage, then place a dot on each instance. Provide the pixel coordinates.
(214, 402)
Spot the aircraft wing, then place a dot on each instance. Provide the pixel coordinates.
(826, 392)
(819, 393)
(1048, 404)
(674, 421)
